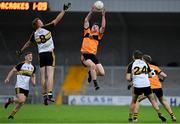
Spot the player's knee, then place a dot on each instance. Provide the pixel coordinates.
(102, 73)
(92, 66)
(21, 101)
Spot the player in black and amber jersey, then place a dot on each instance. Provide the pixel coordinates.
(92, 37)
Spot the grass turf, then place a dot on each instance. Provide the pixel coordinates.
(81, 114)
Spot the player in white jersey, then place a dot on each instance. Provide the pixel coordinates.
(24, 71)
(43, 38)
(138, 73)
(158, 76)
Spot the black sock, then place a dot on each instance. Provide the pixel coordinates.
(89, 77)
(159, 114)
(45, 95)
(95, 83)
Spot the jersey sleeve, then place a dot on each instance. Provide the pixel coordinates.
(158, 70)
(32, 39)
(148, 68)
(86, 31)
(129, 68)
(100, 36)
(34, 71)
(49, 26)
(18, 66)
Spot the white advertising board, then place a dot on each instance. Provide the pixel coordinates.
(114, 100)
(3, 98)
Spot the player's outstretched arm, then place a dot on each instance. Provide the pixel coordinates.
(103, 22)
(88, 17)
(33, 79)
(28, 44)
(10, 75)
(128, 77)
(66, 6)
(162, 76)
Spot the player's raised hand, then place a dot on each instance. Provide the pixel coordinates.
(66, 6)
(103, 12)
(93, 9)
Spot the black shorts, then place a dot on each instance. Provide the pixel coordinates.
(158, 92)
(144, 90)
(23, 91)
(92, 57)
(47, 59)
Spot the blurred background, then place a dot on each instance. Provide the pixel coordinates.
(152, 26)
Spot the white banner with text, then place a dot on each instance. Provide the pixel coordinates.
(114, 100)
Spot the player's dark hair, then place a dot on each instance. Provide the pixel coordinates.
(96, 23)
(147, 58)
(27, 53)
(34, 23)
(137, 54)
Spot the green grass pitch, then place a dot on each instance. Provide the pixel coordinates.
(81, 114)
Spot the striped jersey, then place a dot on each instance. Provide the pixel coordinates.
(155, 71)
(139, 71)
(43, 38)
(90, 41)
(24, 73)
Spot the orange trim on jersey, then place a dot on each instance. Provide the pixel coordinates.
(90, 44)
(155, 83)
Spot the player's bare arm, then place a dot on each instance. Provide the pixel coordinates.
(10, 74)
(28, 44)
(88, 17)
(33, 79)
(58, 18)
(103, 23)
(61, 14)
(162, 76)
(128, 77)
